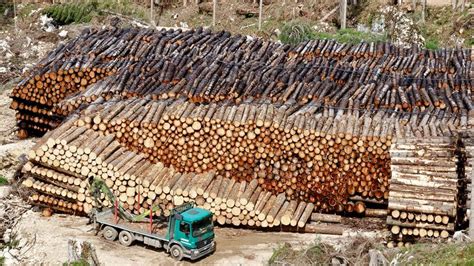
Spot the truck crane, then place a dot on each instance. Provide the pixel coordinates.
(188, 232)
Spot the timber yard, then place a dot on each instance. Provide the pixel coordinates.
(245, 132)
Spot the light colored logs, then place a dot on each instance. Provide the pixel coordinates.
(423, 191)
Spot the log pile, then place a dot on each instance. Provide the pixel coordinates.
(208, 67)
(466, 173)
(260, 133)
(277, 149)
(423, 189)
(321, 81)
(322, 160)
(63, 161)
(282, 148)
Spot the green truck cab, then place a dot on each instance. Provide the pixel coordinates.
(187, 233)
(191, 229)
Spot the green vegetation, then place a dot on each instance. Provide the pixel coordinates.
(352, 36)
(85, 11)
(25, 11)
(296, 32)
(80, 262)
(356, 253)
(124, 7)
(438, 254)
(5, 18)
(3, 181)
(443, 25)
(432, 44)
(316, 254)
(68, 13)
(2, 261)
(4, 6)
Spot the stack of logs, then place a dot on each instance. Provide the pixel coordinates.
(209, 67)
(423, 189)
(322, 160)
(466, 173)
(279, 150)
(62, 162)
(260, 133)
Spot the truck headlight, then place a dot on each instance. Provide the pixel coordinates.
(195, 252)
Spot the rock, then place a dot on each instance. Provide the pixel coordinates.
(5, 191)
(6, 236)
(46, 23)
(22, 242)
(398, 26)
(277, 32)
(3, 70)
(14, 252)
(336, 262)
(63, 34)
(7, 255)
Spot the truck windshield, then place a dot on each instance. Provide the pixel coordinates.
(202, 227)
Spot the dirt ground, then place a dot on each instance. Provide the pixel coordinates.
(47, 243)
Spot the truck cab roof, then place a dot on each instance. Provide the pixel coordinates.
(195, 214)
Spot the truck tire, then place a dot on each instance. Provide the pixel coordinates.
(109, 233)
(176, 252)
(125, 238)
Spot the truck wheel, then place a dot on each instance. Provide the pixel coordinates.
(176, 252)
(125, 238)
(109, 233)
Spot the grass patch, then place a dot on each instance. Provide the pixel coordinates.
(432, 44)
(25, 11)
(69, 13)
(85, 11)
(353, 36)
(3, 181)
(297, 32)
(356, 252)
(2, 260)
(438, 254)
(317, 253)
(442, 24)
(80, 262)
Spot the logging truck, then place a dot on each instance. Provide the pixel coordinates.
(188, 232)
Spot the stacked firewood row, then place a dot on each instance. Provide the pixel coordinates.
(347, 83)
(326, 86)
(423, 193)
(205, 66)
(322, 158)
(63, 162)
(466, 173)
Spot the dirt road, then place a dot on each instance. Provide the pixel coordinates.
(234, 246)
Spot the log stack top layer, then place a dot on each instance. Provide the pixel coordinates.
(209, 67)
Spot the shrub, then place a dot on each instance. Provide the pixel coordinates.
(68, 13)
(295, 32)
(432, 44)
(3, 181)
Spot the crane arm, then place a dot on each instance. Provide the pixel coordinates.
(98, 186)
